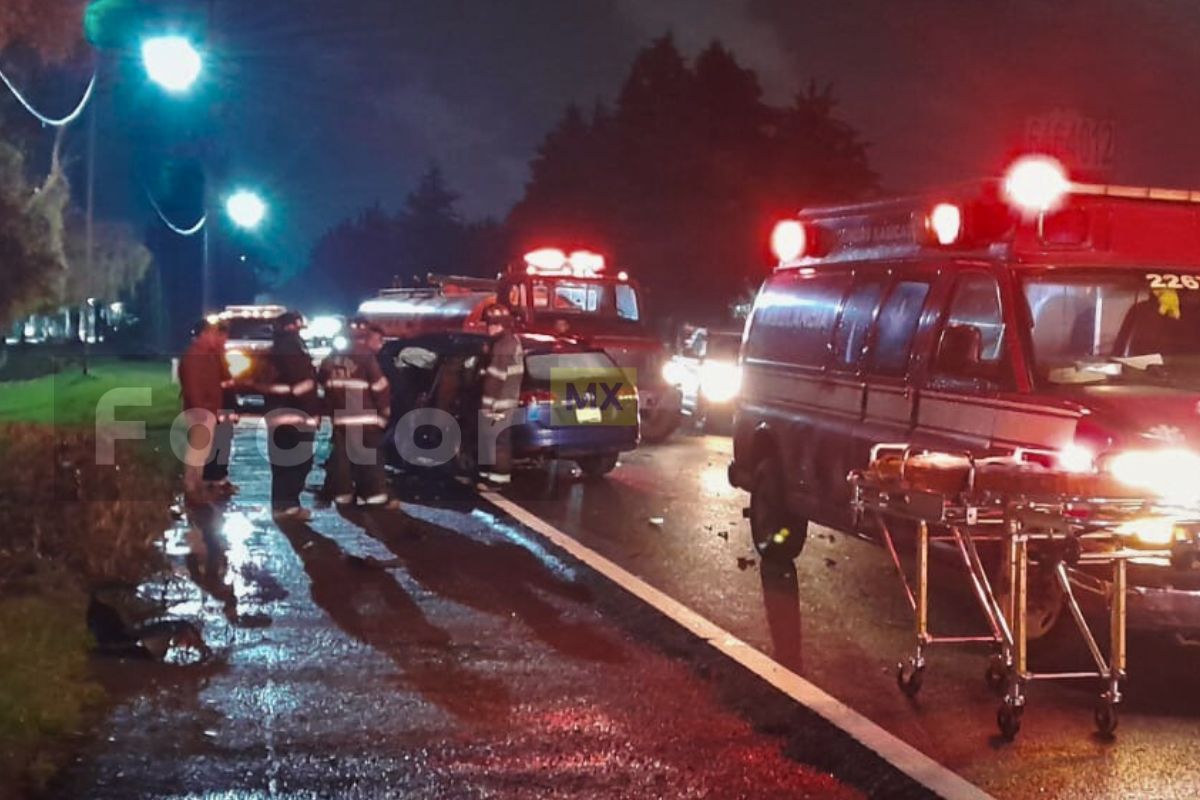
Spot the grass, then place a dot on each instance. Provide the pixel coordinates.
(44, 684)
(71, 398)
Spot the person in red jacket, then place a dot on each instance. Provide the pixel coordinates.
(203, 378)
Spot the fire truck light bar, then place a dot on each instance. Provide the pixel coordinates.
(552, 261)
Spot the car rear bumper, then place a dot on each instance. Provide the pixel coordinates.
(572, 441)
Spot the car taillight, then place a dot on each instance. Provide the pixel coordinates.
(538, 396)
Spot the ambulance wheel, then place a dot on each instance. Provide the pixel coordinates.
(1045, 606)
(778, 534)
(659, 424)
(595, 467)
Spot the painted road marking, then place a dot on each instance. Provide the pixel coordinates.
(901, 755)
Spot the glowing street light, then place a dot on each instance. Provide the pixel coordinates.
(171, 62)
(246, 209)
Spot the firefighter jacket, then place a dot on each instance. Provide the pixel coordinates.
(203, 377)
(292, 390)
(502, 381)
(356, 390)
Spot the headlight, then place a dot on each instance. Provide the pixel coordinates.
(238, 362)
(1153, 531)
(720, 381)
(340, 343)
(670, 373)
(1173, 475)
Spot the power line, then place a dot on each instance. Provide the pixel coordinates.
(192, 231)
(45, 120)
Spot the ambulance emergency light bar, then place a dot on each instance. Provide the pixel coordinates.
(1033, 186)
(551, 261)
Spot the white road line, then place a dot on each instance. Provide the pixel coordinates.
(904, 757)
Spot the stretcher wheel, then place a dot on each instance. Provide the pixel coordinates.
(1106, 718)
(1008, 718)
(910, 677)
(996, 674)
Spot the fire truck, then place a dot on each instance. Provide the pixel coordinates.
(1033, 317)
(555, 293)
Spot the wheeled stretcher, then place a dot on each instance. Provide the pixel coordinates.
(1031, 513)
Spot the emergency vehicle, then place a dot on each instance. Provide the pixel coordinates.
(251, 333)
(1028, 315)
(706, 371)
(553, 293)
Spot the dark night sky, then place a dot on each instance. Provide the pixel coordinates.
(330, 105)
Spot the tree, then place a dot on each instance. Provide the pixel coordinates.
(119, 262)
(431, 229)
(51, 28)
(32, 255)
(682, 181)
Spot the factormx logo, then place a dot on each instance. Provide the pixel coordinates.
(593, 396)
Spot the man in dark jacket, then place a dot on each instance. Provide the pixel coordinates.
(501, 394)
(203, 378)
(292, 417)
(359, 402)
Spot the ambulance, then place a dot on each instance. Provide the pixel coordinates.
(1032, 313)
(552, 293)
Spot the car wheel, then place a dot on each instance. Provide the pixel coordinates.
(659, 424)
(778, 534)
(594, 467)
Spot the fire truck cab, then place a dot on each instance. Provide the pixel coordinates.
(551, 293)
(1033, 313)
(573, 294)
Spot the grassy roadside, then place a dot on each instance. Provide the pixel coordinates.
(71, 398)
(69, 526)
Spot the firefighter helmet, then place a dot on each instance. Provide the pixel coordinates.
(497, 314)
(288, 320)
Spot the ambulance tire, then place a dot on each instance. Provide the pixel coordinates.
(777, 533)
(1050, 631)
(596, 467)
(659, 424)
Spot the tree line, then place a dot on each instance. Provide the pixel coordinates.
(678, 181)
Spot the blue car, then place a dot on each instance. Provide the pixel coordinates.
(575, 404)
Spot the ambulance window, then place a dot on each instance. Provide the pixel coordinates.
(857, 316)
(899, 318)
(977, 304)
(627, 302)
(794, 317)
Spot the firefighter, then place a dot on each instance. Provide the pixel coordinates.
(501, 392)
(292, 417)
(359, 402)
(203, 379)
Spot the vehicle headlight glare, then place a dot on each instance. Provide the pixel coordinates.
(720, 381)
(1171, 474)
(238, 362)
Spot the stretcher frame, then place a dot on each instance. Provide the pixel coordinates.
(1059, 530)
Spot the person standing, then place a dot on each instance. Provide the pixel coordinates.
(292, 417)
(501, 393)
(359, 401)
(203, 378)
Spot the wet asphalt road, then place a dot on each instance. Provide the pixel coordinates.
(840, 620)
(443, 652)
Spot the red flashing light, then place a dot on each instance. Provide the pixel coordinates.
(552, 261)
(788, 240)
(1036, 184)
(945, 223)
(547, 259)
(585, 261)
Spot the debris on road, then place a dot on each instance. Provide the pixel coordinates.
(745, 563)
(657, 522)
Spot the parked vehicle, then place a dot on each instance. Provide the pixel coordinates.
(707, 374)
(571, 407)
(1043, 315)
(552, 293)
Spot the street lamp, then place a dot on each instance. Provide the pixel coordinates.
(171, 62)
(246, 209)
